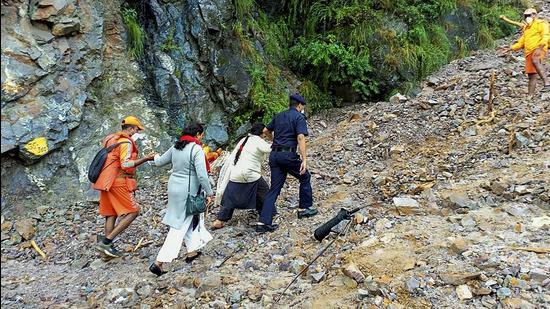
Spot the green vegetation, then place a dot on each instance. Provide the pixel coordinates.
(461, 48)
(269, 94)
(372, 47)
(169, 44)
(336, 62)
(135, 33)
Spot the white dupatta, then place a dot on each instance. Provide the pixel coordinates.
(225, 173)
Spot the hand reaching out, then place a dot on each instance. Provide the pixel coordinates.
(504, 49)
(303, 167)
(209, 200)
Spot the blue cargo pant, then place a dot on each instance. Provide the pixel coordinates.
(282, 164)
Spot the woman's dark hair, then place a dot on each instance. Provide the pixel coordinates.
(192, 130)
(257, 129)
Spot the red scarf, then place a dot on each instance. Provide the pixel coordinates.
(191, 139)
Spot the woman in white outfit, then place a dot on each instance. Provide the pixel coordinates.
(189, 170)
(241, 185)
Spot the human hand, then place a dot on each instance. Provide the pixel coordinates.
(538, 52)
(504, 49)
(151, 156)
(209, 200)
(303, 167)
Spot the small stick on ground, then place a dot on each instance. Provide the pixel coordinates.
(35, 246)
(532, 249)
(240, 248)
(491, 93)
(511, 141)
(138, 244)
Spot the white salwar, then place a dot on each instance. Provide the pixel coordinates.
(194, 240)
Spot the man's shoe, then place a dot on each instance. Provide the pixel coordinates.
(111, 251)
(264, 228)
(155, 269)
(101, 247)
(306, 213)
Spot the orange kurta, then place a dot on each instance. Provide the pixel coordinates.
(116, 181)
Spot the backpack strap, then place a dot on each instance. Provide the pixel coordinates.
(109, 149)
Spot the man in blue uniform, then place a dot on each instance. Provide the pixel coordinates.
(288, 130)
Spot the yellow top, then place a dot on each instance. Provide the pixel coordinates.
(127, 161)
(535, 35)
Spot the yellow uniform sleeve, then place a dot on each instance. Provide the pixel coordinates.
(520, 43)
(125, 154)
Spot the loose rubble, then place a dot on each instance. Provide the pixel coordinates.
(457, 216)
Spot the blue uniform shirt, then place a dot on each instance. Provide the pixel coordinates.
(286, 127)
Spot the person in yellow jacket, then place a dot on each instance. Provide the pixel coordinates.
(534, 41)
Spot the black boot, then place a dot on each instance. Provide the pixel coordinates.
(306, 213)
(155, 269)
(264, 228)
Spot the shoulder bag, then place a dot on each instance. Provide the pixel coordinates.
(195, 204)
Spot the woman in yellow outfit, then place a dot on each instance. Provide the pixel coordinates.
(534, 41)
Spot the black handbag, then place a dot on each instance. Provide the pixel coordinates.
(195, 205)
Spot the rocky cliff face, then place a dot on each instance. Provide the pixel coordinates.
(51, 51)
(193, 64)
(67, 80)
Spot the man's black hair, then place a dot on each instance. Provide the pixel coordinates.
(293, 103)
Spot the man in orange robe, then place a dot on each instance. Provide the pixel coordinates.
(117, 183)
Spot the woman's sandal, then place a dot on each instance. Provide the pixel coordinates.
(155, 269)
(190, 259)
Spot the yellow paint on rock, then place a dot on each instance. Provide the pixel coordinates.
(38, 146)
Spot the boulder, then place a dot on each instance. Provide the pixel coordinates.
(122, 296)
(26, 228)
(412, 284)
(407, 206)
(43, 10)
(398, 98)
(458, 245)
(351, 270)
(459, 200)
(66, 27)
(459, 278)
(463, 292)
